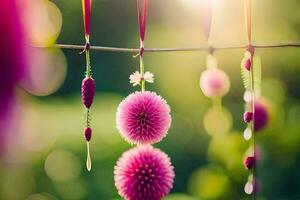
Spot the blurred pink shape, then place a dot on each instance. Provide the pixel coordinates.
(214, 83)
(12, 60)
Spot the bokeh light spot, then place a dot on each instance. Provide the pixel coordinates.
(62, 166)
(46, 72)
(217, 121)
(209, 183)
(43, 21)
(178, 196)
(41, 196)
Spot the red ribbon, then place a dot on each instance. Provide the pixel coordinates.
(86, 8)
(142, 20)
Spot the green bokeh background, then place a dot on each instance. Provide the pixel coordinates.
(207, 166)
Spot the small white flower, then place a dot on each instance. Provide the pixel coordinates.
(149, 77)
(248, 96)
(136, 78)
(247, 133)
(248, 187)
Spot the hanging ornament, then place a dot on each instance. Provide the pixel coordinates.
(143, 118)
(214, 82)
(251, 75)
(88, 86)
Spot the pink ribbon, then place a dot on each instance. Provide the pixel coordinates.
(142, 20)
(86, 8)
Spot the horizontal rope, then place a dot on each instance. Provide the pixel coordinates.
(201, 48)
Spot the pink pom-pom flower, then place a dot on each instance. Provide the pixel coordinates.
(88, 88)
(214, 83)
(144, 173)
(143, 118)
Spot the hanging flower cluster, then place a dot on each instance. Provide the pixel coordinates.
(214, 82)
(256, 115)
(143, 118)
(251, 80)
(88, 86)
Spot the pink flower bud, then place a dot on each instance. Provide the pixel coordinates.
(249, 162)
(88, 133)
(88, 89)
(248, 116)
(247, 64)
(214, 83)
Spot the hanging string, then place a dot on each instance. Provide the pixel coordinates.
(88, 83)
(142, 21)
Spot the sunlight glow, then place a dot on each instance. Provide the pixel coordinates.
(194, 4)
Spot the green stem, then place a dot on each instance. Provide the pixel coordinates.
(252, 141)
(252, 104)
(142, 71)
(88, 65)
(87, 117)
(217, 102)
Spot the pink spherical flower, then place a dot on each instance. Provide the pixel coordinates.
(143, 118)
(214, 83)
(144, 173)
